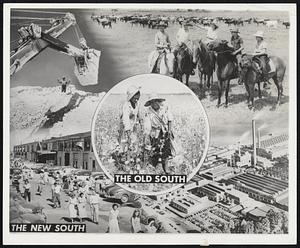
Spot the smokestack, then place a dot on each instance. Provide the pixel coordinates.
(239, 148)
(258, 138)
(254, 142)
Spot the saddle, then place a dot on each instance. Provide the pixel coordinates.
(185, 48)
(264, 65)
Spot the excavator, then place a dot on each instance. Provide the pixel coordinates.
(33, 40)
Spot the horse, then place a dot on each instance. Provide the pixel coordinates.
(205, 61)
(251, 76)
(163, 62)
(183, 64)
(227, 67)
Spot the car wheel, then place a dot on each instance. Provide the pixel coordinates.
(124, 198)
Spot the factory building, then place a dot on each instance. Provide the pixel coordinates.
(71, 150)
(261, 188)
(218, 173)
(188, 204)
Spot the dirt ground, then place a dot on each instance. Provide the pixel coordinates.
(126, 48)
(124, 53)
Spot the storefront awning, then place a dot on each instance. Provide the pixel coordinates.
(45, 152)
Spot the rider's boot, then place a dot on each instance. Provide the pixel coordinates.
(193, 68)
(240, 77)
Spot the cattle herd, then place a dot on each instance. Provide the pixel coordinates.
(151, 21)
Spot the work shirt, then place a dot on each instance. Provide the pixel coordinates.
(64, 81)
(211, 34)
(157, 120)
(57, 189)
(182, 36)
(236, 42)
(27, 186)
(129, 116)
(261, 48)
(161, 39)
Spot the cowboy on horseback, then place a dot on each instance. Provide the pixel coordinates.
(237, 44)
(183, 40)
(260, 55)
(212, 33)
(162, 43)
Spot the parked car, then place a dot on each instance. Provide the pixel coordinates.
(82, 175)
(116, 192)
(98, 175)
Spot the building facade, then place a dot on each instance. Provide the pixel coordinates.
(71, 150)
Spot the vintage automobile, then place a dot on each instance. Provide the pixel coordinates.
(116, 192)
(82, 175)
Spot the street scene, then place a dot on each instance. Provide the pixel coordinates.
(238, 190)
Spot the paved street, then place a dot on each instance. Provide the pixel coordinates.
(60, 215)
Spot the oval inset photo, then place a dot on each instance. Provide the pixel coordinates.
(150, 134)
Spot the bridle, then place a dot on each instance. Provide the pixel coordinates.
(206, 58)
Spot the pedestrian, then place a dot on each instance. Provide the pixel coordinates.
(71, 185)
(40, 184)
(113, 223)
(82, 207)
(98, 185)
(46, 177)
(27, 190)
(94, 201)
(73, 203)
(64, 82)
(136, 221)
(57, 191)
(52, 181)
(20, 187)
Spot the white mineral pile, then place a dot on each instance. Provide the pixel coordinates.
(29, 107)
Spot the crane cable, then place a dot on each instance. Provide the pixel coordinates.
(30, 18)
(40, 12)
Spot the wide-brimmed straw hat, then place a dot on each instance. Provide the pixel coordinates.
(234, 30)
(153, 97)
(259, 34)
(131, 91)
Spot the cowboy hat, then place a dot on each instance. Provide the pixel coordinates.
(131, 91)
(153, 97)
(234, 30)
(162, 24)
(259, 34)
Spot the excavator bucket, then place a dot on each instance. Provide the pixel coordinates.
(86, 68)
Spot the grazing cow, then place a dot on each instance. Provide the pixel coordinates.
(249, 20)
(286, 24)
(271, 24)
(258, 21)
